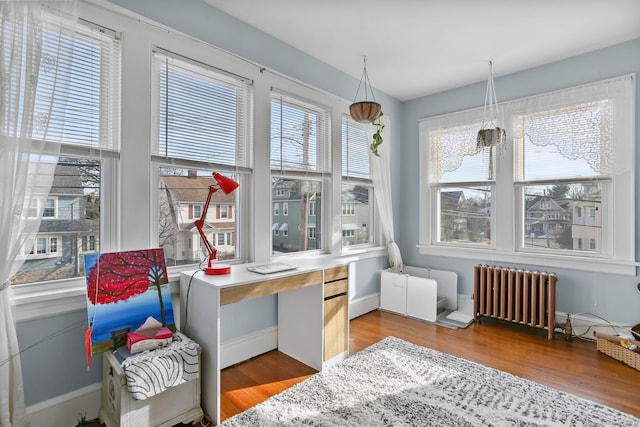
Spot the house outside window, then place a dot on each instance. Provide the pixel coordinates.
(201, 121)
(84, 90)
(357, 185)
(300, 162)
(544, 211)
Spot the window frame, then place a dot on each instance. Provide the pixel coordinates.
(508, 207)
(353, 173)
(124, 176)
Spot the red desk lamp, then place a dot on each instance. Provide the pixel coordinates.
(227, 185)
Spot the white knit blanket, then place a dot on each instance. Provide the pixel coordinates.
(152, 372)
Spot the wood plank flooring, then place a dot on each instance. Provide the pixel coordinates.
(572, 366)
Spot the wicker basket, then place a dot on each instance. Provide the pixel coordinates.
(631, 358)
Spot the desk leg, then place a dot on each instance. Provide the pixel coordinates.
(202, 318)
(300, 325)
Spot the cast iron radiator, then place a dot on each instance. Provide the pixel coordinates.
(519, 296)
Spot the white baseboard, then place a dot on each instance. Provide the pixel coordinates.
(66, 410)
(248, 346)
(363, 305)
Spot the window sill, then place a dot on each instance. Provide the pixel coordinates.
(596, 265)
(39, 300)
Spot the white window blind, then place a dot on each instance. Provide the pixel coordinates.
(204, 113)
(78, 103)
(356, 139)
(299, 135)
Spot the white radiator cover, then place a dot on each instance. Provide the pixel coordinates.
(414, 291)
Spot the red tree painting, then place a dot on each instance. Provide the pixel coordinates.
(118, 276)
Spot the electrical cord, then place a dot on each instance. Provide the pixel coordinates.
(589, 327)
(45, 339)
(186, 302)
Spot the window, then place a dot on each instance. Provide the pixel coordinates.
(195, 211)
(285, 209)
(202, 120)
(79, 103)
(179, 189)
(552, 191)
(49, 208)
(276, 208)
(300, 158)
(348, 209)
(357, 186)
(224, 211)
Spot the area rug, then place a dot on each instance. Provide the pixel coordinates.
(396, 383)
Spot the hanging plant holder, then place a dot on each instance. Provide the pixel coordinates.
(365, 111)
(490, 134)
(491, 137)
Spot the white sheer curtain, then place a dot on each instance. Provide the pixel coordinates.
(381, 176)
(26, 165)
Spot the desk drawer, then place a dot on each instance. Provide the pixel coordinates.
(336, 273)
(336, 287)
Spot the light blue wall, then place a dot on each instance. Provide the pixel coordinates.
(53, 356)
(613, 297)
(56, 366)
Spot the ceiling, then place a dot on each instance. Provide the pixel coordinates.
(419, 47)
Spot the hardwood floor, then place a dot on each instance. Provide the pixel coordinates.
(572, 366)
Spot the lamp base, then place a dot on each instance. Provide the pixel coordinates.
(217, 269)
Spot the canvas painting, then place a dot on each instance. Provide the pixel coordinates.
(124, 289)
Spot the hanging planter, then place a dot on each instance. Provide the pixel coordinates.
(365, 111)
(368, 111)
(490, 134)
(491, 137)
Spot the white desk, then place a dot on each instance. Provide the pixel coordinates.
(312, 315)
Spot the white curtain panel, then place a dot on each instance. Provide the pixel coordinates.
(26, 167)
(381, 176)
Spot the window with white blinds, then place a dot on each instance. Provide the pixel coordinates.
(356, 139)
(78, 103)
(357, 186)
(299, 135)
(300, 165)
(563, 186)
(203, 113)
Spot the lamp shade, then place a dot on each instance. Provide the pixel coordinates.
(365, 111)
(226, 184)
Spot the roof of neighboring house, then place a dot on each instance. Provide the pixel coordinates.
(66, 226)
(194, 190)
(452, 197)
(67, 181)
(558, 204)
